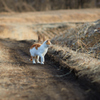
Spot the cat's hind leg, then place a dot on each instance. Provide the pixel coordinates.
(33, 60)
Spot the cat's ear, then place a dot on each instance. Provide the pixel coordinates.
(47, 40)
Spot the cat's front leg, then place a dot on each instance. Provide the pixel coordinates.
(37, 59)
(42, 59)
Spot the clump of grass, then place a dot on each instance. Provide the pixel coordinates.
(82, 63)
(79, 48)
(84, 38)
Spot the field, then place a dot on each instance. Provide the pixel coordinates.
(72, 67)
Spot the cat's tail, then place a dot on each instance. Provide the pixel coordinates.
(41, 38)
(31, 59)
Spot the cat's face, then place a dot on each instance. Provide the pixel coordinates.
(48, 43)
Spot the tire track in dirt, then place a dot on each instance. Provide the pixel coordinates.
(21, 80)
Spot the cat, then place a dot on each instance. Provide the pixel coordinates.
(39, 50)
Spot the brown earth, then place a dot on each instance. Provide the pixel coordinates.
(19, 78)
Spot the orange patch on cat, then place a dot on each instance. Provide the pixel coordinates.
(48, 42)
(33, 58)
(36, 45)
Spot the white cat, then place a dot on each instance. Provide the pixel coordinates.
(39, 50)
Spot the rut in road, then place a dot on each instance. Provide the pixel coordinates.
(21, 80)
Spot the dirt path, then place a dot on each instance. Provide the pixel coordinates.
(21, 80)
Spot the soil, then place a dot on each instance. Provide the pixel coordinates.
(20, 79)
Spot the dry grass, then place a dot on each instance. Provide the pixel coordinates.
(73, 48)
(83, 15)
(84, 38)
(81, 62)
(17, 32)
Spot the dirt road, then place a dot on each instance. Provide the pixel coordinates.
(21, 80)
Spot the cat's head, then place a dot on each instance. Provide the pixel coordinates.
(48, 43)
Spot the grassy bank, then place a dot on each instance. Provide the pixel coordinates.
(79, 49)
